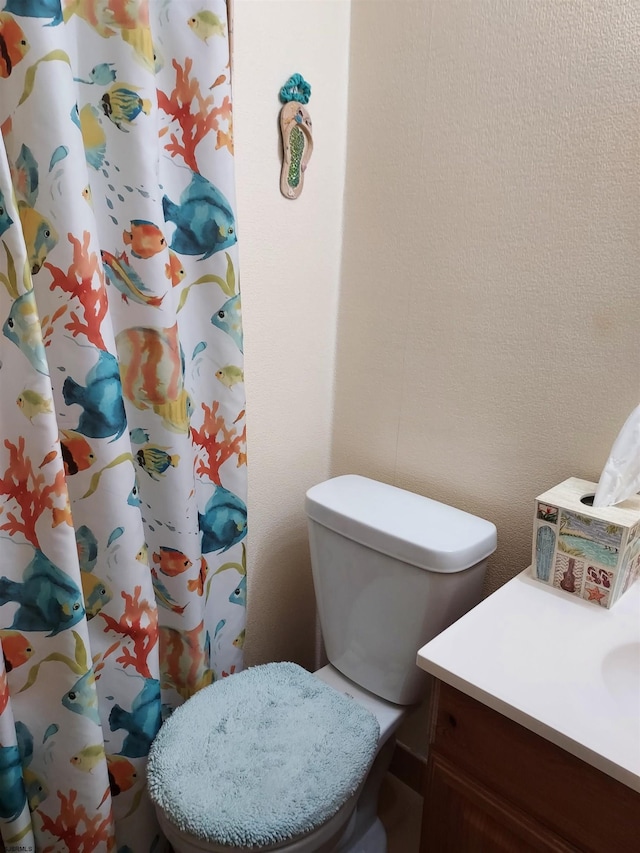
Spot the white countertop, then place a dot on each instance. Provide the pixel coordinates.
(561, 667)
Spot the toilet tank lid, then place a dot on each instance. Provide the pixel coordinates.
(409, 527)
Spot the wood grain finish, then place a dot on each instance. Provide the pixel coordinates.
(492, 780)
(463, 816)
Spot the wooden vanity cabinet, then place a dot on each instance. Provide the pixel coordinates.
(493, 786)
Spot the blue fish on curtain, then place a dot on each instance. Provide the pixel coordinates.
(48, 598)
(204, 220)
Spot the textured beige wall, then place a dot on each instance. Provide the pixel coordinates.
(489, 307)
(290, 269)
(489, 322)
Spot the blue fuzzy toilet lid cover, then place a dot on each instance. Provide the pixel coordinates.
(260, 757)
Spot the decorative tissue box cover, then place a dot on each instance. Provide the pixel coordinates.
(591, 552)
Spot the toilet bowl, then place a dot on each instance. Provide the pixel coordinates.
(366, 833)
(354, 827)
(391, 569)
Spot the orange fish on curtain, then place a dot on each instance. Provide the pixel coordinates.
(13, 44)
(152, 370)
(144, 239)
(184, 658)
(16, 649)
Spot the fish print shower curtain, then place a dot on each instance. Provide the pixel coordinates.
(122, 433)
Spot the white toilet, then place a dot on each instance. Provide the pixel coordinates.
(391, 570)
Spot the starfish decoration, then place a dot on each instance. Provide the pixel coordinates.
(596, 594)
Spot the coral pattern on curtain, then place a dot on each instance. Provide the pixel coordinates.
(122, 436)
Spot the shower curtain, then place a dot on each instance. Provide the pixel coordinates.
(122, 415)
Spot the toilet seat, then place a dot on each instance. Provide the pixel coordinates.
(264, 759)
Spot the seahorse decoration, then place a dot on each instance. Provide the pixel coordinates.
(297, 139)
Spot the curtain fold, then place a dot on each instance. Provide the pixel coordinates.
(122, 423)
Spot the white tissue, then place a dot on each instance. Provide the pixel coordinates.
(620, 476)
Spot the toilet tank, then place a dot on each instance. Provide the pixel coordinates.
(391, 570)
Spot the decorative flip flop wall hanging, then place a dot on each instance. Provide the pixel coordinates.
(297, 140)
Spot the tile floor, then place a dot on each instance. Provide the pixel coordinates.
(400, 810)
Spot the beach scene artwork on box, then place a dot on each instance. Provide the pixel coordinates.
(591, 538)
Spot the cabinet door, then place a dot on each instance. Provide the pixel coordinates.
(534, 777)
(462, 816)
